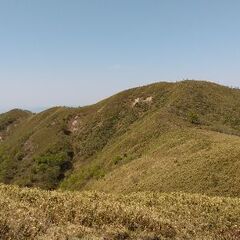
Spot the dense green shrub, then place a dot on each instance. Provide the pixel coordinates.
(49, 169)
(193, 118)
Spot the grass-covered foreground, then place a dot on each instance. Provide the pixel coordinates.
(37, 214)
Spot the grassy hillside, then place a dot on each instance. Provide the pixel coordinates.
(35, 214)
(188, 160)
(10, 120)
(166, 136)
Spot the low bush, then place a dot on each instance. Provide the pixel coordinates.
(38, 214)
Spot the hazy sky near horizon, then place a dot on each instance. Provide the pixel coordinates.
(76, 52)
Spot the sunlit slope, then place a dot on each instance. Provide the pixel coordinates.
(46, 147)
(37, 214)
(158, 125)
(177, 147)
(10, 121)
(189, 160)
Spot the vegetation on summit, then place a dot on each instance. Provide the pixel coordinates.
(186, 131)
(145, 160)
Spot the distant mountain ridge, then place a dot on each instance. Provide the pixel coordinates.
(181, 136)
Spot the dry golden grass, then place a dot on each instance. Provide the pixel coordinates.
(37, 214)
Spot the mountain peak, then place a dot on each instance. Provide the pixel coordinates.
(189, 122)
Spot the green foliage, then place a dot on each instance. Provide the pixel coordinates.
(138, 122)
(49, 169)
(193, 118)
(13, 116)
(121, 159)
(117, 159)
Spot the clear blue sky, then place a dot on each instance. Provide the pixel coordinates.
(75, 52)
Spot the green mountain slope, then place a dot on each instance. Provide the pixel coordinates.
(188, 160)
(9, 121)
(165, 137)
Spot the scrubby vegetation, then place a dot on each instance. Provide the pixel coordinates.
(188, 132)
(11, 119)
(38, 214)
(188, 160)
(135, 148)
